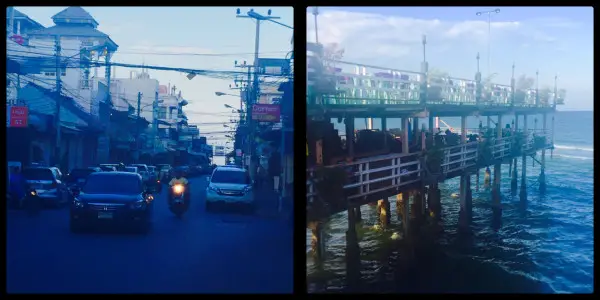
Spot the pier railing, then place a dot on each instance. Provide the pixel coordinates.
(370, 176)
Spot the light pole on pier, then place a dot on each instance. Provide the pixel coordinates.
(489, 15)
(316, 13)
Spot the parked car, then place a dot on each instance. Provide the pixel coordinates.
(76, 178)
(130, 169)
(112, 198)
(143, 170)
(108, 168)
(165, 171)
(152, 172)
(48, 184)
(230, 186)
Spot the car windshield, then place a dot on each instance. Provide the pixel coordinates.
(113, 184)
(130, 169)
(106, 168)
(38, 174)
(79, 174)
(230, 176)
(151, 169)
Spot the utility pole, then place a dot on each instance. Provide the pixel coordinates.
(256, 89)
(58, 101)
(154, 121)
(137, 128)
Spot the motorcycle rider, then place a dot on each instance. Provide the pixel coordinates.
(179, 179)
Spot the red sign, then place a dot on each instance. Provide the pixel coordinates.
(18, 116)
(266, 112)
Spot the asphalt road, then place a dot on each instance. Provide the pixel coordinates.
(203, 253)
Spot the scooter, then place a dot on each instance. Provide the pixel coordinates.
(177, 204)
(32, 202)
(159, 186)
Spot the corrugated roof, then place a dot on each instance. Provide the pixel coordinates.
(73, 13)
(40, 102)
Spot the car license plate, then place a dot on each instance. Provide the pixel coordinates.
(105, 215)
(178, 201)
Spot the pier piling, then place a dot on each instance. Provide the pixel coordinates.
(514, 174)
(358, 214)
(523, 192)
(466, 200)
(383, 210)
(317, 240)
(542, 178)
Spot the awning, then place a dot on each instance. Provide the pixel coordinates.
(197, 153)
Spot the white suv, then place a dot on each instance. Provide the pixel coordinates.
(230, 186)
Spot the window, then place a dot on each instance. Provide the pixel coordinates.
(162, 112)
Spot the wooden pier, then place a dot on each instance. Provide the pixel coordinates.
(346, 184)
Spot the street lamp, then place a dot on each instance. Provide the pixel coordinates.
(224, 94)
(489, 14)
(316, 13)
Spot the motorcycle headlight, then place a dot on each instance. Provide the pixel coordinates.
(138, 204)
(178, 188)
(78, 203)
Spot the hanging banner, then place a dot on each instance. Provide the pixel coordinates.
(18, 116)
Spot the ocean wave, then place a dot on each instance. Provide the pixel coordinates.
(568, 147)
(574, 156)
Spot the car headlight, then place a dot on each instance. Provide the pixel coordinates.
(78, 203)
(178, 188)
(247, 189)
(138, 204)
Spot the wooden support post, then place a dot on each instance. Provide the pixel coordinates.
(523, 192)
(400, 206)
(486, 178)
(349, 122)
(434, 204)
(384, 131)
(352, 248)
(358, 214)
(477, 180)
(497, 168)
(463, 129)
(383, 209)
(514, 173)
(405, 135)
(466, 200)
(417, 205)
(317, 240)
(415, 128)
(542, 178)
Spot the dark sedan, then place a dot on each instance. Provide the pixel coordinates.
(112, 198)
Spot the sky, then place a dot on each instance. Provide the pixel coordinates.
(141, 31)
(553, 40)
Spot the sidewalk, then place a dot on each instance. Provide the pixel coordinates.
(267, 204)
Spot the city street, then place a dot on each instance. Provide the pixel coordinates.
(202, 253)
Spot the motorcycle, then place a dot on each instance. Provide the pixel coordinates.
(177, 204)
(32, 202)
(158, 186)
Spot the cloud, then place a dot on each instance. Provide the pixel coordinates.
(369, 35)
